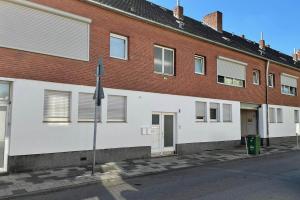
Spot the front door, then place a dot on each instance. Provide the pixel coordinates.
(163, 129)
(249, 122)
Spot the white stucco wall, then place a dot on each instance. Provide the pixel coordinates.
(285, 129)
(29, 135)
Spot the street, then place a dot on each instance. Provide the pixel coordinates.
(273, 177)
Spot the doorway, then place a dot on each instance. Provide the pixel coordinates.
(163, 134)
(249, 123)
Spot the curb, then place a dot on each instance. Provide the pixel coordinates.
(118, 180)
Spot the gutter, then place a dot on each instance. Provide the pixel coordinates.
(92, 2)
(267, 102)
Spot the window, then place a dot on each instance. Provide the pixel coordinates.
(155, 119)
(201, 111)
(57, 106)
(288, 90)
(4, 91)
(214, 112)
(163, 60)
(272, 117)
(231, 72)
(231, 81)
(118, 46)
(116, 108)
(199, 65)
(271, 80)
(279, 115)
(86, 108)
(297, 117)
(227, 113)
(289, 84)
(256, 77)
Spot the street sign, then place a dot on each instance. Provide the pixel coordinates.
(100, 71)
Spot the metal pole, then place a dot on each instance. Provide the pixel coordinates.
(95, 122)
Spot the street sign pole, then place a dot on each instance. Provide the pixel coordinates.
(98, 96)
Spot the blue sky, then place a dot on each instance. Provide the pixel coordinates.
(279, 20)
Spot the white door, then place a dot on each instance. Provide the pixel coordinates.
(163, 137)
(248, 122)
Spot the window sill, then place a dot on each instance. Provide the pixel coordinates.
(213, 121)
(231, 85)
(291, 95)
(198, 121)
(199, 74)
(117, 122)
(87, 121)
(119, 58)
(57, 122)
(162, 74)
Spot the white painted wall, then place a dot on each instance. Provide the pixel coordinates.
(31, 27)
(285, 129)
(29, 135)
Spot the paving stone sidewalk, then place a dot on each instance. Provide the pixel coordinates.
(41, 181)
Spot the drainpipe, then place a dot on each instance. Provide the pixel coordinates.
(267, 101)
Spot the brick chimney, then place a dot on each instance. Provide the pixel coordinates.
(178, 11)
(296, 55)
(262, 43)
(214, 20)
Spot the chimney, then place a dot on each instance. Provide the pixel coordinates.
(178, 11)
(214, 20)
(262, 43)
(296, 55)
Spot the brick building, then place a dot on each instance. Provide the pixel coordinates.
(172, 84)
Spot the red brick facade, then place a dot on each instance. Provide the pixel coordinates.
(137, 72)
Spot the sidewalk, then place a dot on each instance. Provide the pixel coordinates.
(113, 173)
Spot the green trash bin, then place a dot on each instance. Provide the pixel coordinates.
(253, 142)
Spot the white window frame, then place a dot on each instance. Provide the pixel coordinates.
(45, 120)
(125, 114)
(272, 119)
(289, 93)
(297, 116)
(273, 80)
(233, 79)
(279, 115)
(200, 58)
(217, 113)
(126, 46)
(230, 106)
(205, 111)
(256, 75)
(163, 60)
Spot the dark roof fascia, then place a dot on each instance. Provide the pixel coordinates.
(119, 11)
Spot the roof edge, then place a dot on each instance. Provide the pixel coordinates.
(92, 2)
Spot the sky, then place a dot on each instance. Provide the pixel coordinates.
(277, 19)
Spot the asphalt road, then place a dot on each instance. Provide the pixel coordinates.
(275, 177)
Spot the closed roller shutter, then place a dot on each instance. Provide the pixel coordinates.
(231, 69)
(86, 108)
(31, 29)
(116, 108)
(288, 81)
